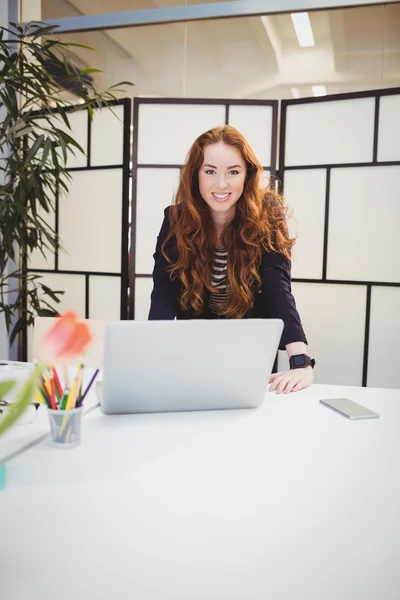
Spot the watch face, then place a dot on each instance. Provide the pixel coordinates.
(299, 360)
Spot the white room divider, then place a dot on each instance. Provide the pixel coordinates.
(340, 165)
(164, 131)
(93, 220)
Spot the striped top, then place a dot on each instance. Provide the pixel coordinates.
(218, 279)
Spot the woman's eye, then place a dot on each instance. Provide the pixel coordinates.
(210, 172)
(234, 172)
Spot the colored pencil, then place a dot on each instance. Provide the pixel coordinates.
(47, 387)
(40, 397)
(74, 389)
(66, 377)
(43, 391)
(78, 386)
(57, 383)
(88, 388)
(53, 396)
(63, 402)
(70, 403)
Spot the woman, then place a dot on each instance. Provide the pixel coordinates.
(224, 250)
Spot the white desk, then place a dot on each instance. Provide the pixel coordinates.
(289, 501)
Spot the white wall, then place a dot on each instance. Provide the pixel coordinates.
(90, 220)
(347, 297)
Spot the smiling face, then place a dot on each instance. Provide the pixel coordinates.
(221, 177)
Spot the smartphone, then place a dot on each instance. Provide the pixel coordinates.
(349, 409)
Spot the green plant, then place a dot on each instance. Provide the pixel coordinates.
(35, 139)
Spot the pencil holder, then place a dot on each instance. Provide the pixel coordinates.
(65, 427)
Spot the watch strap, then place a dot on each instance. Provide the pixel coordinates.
(300, 361)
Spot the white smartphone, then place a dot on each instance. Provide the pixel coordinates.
(349, 409)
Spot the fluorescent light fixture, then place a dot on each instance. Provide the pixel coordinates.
(303, 29)
(295, 92)
(319, 90)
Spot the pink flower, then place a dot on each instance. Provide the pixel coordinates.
(66, 339)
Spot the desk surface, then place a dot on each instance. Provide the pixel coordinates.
(288, 501)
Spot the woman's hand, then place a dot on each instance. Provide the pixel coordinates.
(291, 381)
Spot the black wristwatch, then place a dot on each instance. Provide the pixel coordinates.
(299, 361)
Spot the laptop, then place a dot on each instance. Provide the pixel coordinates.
(186, 365)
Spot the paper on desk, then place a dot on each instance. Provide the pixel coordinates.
(14, 370)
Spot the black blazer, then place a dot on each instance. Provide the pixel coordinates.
(273, 301)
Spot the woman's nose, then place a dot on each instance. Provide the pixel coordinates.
(222, 182)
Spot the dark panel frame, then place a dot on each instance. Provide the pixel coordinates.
(377, 94)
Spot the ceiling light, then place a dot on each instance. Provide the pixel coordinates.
(319, 90)
(295, 92)
(303, 29)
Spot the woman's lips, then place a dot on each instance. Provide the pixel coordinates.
(221, 197)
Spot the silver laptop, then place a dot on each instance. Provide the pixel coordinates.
(157, 366)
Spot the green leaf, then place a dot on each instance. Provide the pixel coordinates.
(20, 124)
(42, 30)
(69, 140)
(112, 87)
(45, 312)
(22, 132)
(51, 293)
(5, 387)
(7, 315)
(18, 327)
(46, 151)
(63, 145)
(22, 401)
(86, 71)
(62, 112)
(37, 144)
(73, 45)
(55, 157)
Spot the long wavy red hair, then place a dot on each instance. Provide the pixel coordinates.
(259, 224)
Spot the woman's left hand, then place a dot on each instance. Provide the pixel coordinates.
(291, 381)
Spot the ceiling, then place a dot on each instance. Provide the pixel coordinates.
(255, 57)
